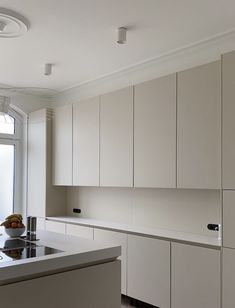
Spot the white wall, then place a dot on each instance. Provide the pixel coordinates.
(176, 209)
(193, 55)
(29, 103)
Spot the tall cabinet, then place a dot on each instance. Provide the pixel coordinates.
(44, 199)
(116, 138)
(155, 133)
(228, 179)
(62, 146)
(228, 103)
(199, 127)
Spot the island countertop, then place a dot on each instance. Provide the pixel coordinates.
(76, 253)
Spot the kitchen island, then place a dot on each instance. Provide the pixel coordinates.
(75, 272)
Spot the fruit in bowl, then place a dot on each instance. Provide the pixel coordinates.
(14, 226)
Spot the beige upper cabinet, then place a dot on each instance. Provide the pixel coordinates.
(199, 127)
(228, 103)
(86, 143)
(62, 145)
(116, 138)
(155, 133)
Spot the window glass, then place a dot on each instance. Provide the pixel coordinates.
(7, 124)
(6, 180)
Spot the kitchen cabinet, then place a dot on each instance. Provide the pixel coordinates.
(195, 277)
(54, 226)
(62, 145)
(228, 286)
(94, 286)
(86, 143)
(81, 231)
(116, 138)
(228, 146)
(155, 133)
(37, 162)
(228, 218)
(116, 238)
(148, 277)
(199, 127)
(44, 199)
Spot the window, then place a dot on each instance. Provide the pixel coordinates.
(9, 162)
(7, 124)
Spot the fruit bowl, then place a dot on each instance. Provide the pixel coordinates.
(14, 226)
(14, 232)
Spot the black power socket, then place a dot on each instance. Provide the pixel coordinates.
(77, 211)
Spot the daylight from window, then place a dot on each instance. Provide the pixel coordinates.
(7, 124)
(7, 164)
(6, 179)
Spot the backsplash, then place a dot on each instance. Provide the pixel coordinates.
(188, 210)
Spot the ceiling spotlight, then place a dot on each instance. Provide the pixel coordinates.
(121, 35)
(47, 69)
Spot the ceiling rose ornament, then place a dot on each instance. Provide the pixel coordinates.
(12, 24)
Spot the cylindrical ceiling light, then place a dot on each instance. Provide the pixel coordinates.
(48, 69)
(121, 35)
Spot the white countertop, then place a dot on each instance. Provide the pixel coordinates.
(77, 253)
(151, 232)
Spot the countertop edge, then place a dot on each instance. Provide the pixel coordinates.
(170, 235)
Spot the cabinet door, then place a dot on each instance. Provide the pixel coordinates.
(195, 277)
(62, 145)
(54, 226)
(116, 138)
(199, 127)
(86, 143)
(228, 287)
(37, 156)
(228, 172)
(81, 231)
(229, 218)
(117, 239)
(94, 286)
(155, 133)
(148, 277)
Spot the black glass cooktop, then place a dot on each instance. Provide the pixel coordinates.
(17, 249)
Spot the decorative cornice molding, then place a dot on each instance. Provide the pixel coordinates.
(198, 53)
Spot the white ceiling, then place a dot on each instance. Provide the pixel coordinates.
(78, 36)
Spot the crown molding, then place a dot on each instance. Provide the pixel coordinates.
(198, 53)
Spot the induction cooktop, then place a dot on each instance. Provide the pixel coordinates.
(18, 249)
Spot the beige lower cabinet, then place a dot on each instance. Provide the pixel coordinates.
(148, 276)
(54, 226)
(96, 286)
(116, 238)
(81, 231)
(228, 287)
(228, 218)
(195, 277)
